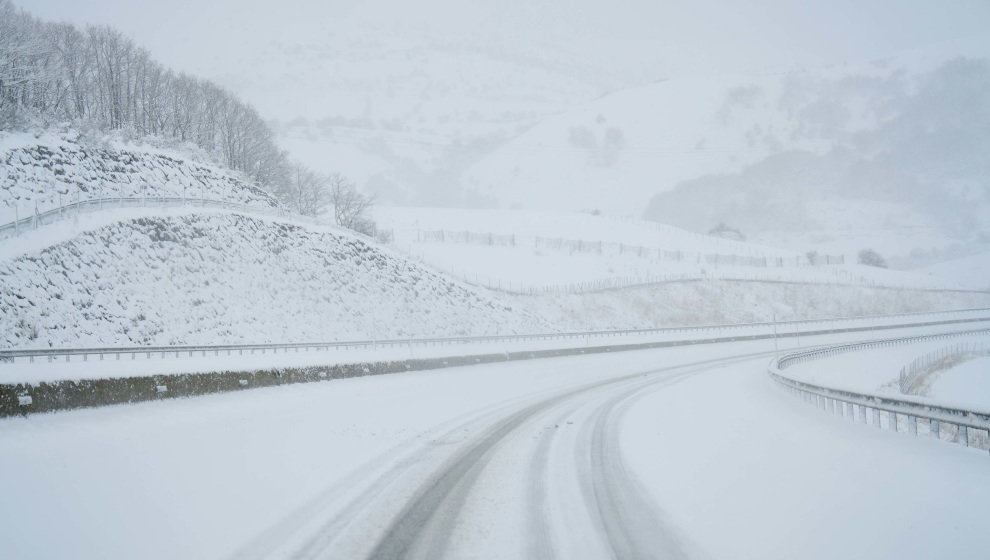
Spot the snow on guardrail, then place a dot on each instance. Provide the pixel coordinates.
(48, 217)
(26, 396)
(782, 329)
(967, 427)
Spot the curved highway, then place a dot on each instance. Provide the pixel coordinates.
(681, 452)
(539, 477)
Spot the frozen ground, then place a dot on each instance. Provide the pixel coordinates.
(722, 462)
(968, 382)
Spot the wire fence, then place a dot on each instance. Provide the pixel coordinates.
(666, 266)
(580, 246)
(804, 277)
(745, 268)
(736, 331)
(917, 416)
(74, 209)
(913, 375)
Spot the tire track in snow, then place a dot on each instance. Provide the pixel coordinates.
(632, 529)
(632, 525)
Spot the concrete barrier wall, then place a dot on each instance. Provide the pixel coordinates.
(28, 398)
(23, 399)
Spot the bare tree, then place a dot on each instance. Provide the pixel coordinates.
(350, 208)
(305, 191)
(101, 77)
(869, 257)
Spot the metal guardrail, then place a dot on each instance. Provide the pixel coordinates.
(967, 427)
(770, 329)
(65, 211)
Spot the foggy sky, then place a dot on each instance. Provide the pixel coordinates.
(671, 38)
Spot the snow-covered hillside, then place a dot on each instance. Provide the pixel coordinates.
(644, 141)
(209, 279)
(188, 275)
(599, 272)
(45, 170)
(403, 97)
(797, 159)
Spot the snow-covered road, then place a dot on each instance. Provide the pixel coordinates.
(679, 452)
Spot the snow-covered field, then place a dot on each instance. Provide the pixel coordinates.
(975, 267)
(534, 251)
(968, 382)
(732, 466)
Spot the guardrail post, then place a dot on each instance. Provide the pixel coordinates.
(964, 435)
(934, 429)
(876, 417)
(912, 424)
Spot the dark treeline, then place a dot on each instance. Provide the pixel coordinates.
(58, 72)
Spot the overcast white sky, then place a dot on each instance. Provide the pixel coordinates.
(702, 35)
(282, 56)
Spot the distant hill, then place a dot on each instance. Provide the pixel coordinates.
(890, 144)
